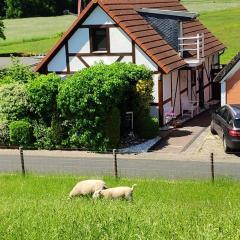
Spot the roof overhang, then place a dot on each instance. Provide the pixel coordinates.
(232, 72)
(181, 14)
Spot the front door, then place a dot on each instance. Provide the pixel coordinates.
(201, 88)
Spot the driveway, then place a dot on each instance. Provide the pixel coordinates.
(179, 140)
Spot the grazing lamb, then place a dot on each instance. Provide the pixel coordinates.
(87, 187)
(116, 193)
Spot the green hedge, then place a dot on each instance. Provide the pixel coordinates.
(4, 132)
(21, 133)
(148, 127)
(113, 125)
(86, 98)
(42, 93)
(13, 101)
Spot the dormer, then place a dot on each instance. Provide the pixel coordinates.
(169, 24)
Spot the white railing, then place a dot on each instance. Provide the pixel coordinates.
(195, 44)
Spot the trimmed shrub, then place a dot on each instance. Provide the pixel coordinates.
(20, 133)
(113, 125)
(17, 72)
(85, 99)
(4, 133)
(88, 96)
(44, 137)
(13, 101)
(42, 94)
(148, 127)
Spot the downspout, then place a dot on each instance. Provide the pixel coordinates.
(219, 55)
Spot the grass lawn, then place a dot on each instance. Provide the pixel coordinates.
(38, 35)
(33, 35)
(225, 25)
(38, 208)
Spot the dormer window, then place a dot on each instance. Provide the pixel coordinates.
(99, 39)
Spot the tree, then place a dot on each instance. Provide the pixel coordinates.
(1, 30)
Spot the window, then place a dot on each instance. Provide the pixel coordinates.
(237, 123)
(99, 39)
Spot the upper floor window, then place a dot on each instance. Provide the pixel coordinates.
(99, 39)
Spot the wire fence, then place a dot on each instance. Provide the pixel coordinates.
(120, 165)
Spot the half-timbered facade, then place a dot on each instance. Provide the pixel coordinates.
(160, 34)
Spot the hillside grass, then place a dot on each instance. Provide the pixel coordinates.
(225, 25)
(38, 35)
(37, 207)
(33, 35)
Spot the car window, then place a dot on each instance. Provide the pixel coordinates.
(224, 113)
(237, 123)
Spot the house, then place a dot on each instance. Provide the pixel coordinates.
(229, 78)
(162, 35)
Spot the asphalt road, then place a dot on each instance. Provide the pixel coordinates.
(99, 166)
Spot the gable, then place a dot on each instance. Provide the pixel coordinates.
(124, 13)
(98, 17)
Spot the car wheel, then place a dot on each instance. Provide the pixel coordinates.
(225, 147)
(212, 129)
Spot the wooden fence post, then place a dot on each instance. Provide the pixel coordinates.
(115, 163)
(22, 161)
(212, 167)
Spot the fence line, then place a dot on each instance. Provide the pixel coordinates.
(115, 166)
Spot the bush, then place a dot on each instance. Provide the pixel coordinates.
(20, 133)
(1, 30)
(17, 72)
(113, 125)
(44, 137)
(13, 101)
(42, 93)
(148, 127)
(85, 98)
(4, 133)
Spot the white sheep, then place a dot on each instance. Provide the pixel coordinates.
(87, 187)
(116, 193)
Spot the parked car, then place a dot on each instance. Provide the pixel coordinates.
(226, 123)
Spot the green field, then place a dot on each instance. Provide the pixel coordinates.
(38, 208)
(33, 35)
(38, 35)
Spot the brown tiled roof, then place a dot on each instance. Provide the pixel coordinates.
(211, 43)
(124, 13)
(227, 68)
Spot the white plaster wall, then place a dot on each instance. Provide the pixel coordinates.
(154, 111)
(142, 58)
(92, 60)
(166, 108)
(75, 64)
(155, 94)
(223, 93)
(98, 16)
(127, 59)
(205, 74)
(79, 42)
(58, 63)
(119, 41)
(206, 94)
(166, 86)
(184, 97)
(189, 85)
(175, 93)
(183, 79)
